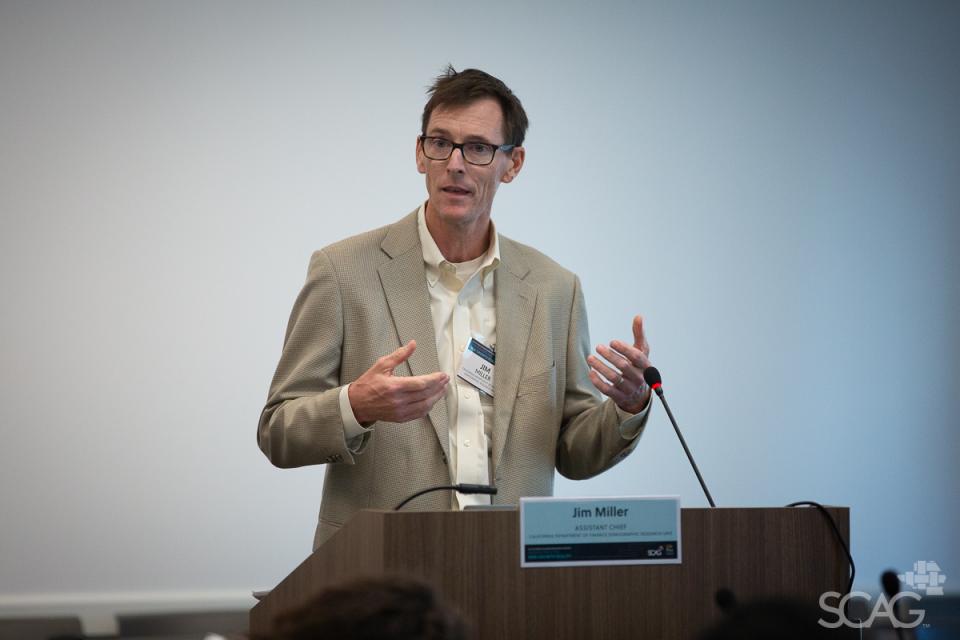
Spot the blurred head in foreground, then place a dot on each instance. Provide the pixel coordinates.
(377, 608)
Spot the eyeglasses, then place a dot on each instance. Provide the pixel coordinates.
(479, 153)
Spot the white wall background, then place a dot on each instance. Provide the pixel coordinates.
(775, 185)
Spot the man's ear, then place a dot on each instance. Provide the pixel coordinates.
(517, 156)
(421, 162)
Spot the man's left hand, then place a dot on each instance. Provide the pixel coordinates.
(619, 374)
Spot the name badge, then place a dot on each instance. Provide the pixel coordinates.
(566, 532)
(477, 364)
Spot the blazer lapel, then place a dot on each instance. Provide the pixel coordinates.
(404, 281)
(516, 301)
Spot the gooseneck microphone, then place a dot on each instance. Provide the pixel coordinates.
(652, 377)
(459, 488)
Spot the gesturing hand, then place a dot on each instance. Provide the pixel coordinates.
(622, 370)
(379, 395)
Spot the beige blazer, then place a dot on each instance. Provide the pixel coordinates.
(367, 295)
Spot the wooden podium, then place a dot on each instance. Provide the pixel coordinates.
(473, 558)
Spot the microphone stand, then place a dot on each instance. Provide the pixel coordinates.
(652, 377)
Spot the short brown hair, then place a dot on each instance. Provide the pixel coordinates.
(459, 88)
(386, 608)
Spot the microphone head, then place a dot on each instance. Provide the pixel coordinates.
(890, 582)
(652, 377)
(487, 489)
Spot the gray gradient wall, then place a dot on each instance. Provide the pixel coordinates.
(773, 184)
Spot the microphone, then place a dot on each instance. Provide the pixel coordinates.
(486, 489)
(460, 488)
(652, 377)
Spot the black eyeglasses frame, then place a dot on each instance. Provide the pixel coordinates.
(459, 145)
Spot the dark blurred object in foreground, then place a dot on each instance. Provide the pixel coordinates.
(372, 609)
(776, 619)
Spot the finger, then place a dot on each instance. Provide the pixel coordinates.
(638, 337)
(419, 409)
(637, 357)
(627, 384)
(420, 396)
(420, 385)
(432, 400)
(608, 372)
(605, 388)
(622, 363)
(391, 361)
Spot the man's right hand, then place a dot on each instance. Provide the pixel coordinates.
(378, 395)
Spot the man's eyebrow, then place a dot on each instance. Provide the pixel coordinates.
(443, 133)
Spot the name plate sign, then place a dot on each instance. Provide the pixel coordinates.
(565, 532)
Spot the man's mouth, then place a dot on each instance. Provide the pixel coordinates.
(456, 191)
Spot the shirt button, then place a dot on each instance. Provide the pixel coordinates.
(466, 443)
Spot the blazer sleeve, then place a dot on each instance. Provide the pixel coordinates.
(301, 423)
(590, 440)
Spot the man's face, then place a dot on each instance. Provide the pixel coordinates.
(461, 194)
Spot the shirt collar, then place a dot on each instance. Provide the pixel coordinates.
(435, 262)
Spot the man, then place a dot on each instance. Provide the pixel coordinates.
(391, 325)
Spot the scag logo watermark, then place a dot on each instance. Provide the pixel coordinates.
(882, 609)
(926, 577)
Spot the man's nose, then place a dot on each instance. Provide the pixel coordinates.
(456, 162)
